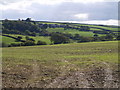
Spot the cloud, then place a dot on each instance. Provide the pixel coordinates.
(61, 10)
(82, 16)
(16, 5)
(102, 22)
(53, 2)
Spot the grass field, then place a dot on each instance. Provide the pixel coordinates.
(37, 38)
(95, 29)
(8, 40)
(73, 32)
(38, 66)
(108, 28)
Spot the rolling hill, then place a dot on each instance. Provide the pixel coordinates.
(72, 28)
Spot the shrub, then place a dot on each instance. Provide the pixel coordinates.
(19, 37)
(28, 43)
(41, 43)
(14, 44)
(85, 39)
(29, 39)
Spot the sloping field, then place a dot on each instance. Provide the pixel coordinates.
(112, 28)
(8, 40)
(85, 65)
(71, 31)
(37, 38)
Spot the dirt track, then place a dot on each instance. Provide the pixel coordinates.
(98, 78)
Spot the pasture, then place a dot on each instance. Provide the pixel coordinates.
(37, 38)
(73, 32)
(8, 40)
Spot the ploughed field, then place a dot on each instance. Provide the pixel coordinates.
(77, 65)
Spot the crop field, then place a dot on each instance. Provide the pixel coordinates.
(78, 65)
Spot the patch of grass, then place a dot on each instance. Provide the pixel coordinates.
(71, 31)
(95, 29)
(98, 51)
(8, 40)
(37, 38)
(108, 28)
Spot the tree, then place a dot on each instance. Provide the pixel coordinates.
(95, 35)
(57, 38)
(27, 32)
(41, 43)
(44, 26)
(77, 37)
(96, 38)
(27, 38)
(31, 39)
(66, 27)
(28, 43)
(28, 19)
(85, 39)
(84, 28)
(33, 34)
(118, 37)
(14, 44)
(109, 37)
(102, 38)
(19, 27)
(19, 38)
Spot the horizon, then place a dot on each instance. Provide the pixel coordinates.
(68, 22)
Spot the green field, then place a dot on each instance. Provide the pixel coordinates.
(9, 40)
(95, 29)
(108, 28)
(44, 63)
(72, 31)
(46, 39)
(66, 51)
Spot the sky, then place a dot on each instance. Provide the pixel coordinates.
(78, 11)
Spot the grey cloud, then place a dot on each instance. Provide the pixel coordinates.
(66, 11)
(97, 11)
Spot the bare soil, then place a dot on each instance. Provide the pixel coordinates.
(45, 77)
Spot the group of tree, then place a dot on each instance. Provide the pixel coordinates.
(29, 27)
(59, 38)
(20, 27)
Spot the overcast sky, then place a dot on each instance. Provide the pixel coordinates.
(83, 11)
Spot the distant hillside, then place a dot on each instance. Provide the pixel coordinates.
(74, 31)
